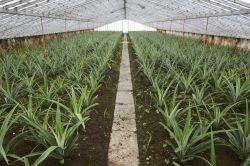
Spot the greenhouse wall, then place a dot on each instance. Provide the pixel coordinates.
(213, 39)
(19, 42)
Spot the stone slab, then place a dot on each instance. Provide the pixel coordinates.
(123, 149)
(123, 146)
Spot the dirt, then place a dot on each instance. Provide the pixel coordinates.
(151, 135)
(92, 149)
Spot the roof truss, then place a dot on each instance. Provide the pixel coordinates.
(23, 17)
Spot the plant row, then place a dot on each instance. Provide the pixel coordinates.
(47, 93)
(201, 90)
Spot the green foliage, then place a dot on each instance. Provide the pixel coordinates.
(7, 149)
(39, 160)
(58, 134)
(199, 96)
(81, 106)
(172, 110)
(212, 153)
(211, 80)
(28, 82)
(217, 115)
(10, 91)
(239, 136)
(236, 90)
(189, 141)
(53, 88)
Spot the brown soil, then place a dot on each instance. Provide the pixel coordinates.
(151, 135)
(92, 149)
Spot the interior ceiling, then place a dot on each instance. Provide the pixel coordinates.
(36, 17)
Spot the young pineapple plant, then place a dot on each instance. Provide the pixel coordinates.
(11, 91)
(239, 136)
(211, 79)
(218, 116)
(237, 90)
(188, 141)
(36, 80)
(80, 105)
(8, 150)
(60, 134)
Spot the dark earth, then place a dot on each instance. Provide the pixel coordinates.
(151, 135)
(92, 149)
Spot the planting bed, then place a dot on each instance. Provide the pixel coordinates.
(190, 97)
(93, 144)
(57, 101)
(150, 134)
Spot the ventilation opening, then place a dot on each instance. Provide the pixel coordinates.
(125, 26)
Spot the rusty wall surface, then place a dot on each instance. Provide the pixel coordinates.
(20, 42)
(212, 39)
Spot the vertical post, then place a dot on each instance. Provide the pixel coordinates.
(183, 27)
(171, 25)
(65, 25)
(122, 26)
(206, 35)
(128, 26)
(79, 26)
(42, 25)
(44, 38)
(207, 25)
(42, 29)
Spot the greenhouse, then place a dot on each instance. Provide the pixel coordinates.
(124, 83)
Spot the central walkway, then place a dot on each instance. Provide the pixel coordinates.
(123, 147)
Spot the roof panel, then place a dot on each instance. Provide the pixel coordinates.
(225, 17)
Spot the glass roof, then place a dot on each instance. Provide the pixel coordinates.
(36, 17)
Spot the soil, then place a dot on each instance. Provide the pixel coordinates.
(92, 149)
(150, 134)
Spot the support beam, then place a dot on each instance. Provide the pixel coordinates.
(245, 4)
(5, 1)
(231, 13)
(54, 7)
(125, 9)
(42, 28)
(224, 4)
(32, 14)
(184, 25)
(171, 25)
(207, 19)
(22, 3)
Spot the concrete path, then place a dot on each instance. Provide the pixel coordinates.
(123, 147)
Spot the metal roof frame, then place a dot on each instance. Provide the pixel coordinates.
(224, 17)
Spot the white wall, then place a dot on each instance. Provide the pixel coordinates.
(125, 26)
